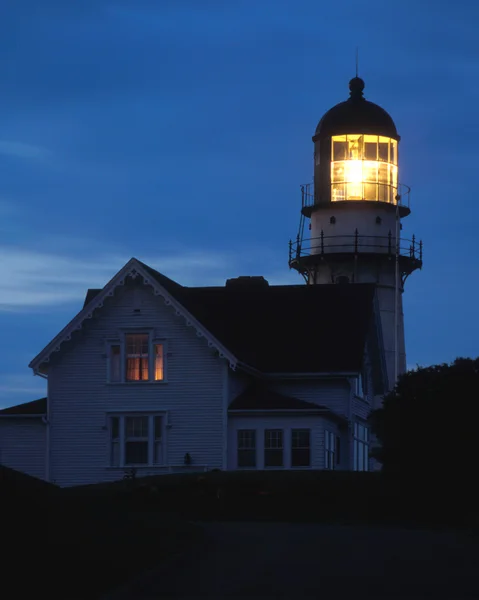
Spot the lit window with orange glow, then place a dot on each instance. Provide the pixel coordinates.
(364, 167)
(159, 363)
(137, 357)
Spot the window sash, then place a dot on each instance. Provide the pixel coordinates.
(136, 452)
(361, 448)
(273, 439)
(273, 448)
(136, 440)
(137, 356)
(246, 439)
(273, 457)
(300, 448)
(246, 448)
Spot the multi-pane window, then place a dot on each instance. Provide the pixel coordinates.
(137, 359)
(300, 448)
(137, 345)
(329, 450)
(273, 448)
(136, 440)
(361, 447)
(246, 448)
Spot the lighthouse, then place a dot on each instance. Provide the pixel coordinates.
(351, 215)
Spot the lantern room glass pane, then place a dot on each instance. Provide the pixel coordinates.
(383, 173)
(370, 171)
(355, 147)
(370, 147)
(339, 148)
(393, 152)
(383, 149)
(337, 174)
(338, 192)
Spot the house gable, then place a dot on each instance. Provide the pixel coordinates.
(133, 269)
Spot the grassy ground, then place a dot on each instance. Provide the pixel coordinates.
(100, 549)
(73, 546)
(80, 542)
(295, 496)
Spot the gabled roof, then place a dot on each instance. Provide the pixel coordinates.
(278, 329)
(35, 408)
(271, 329)
(260, 399)
(133, 269)
(284, 328)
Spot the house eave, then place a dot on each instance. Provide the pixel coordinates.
(257, 412)
(132, 269)
(39, 416)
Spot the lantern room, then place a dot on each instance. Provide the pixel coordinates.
(356, 152)
(363, 167)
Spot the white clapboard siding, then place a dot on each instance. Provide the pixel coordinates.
(80, 396)
(23, 445)
(361, 407)
(317, 425)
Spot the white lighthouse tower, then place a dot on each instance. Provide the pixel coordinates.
(355, 207)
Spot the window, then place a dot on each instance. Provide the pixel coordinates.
(300, 448)
(273, 448)
(136, 440)
(246, 448)
(329, 450)
(361, 447)
(137, 359)
(137, 356)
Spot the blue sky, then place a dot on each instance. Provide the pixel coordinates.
(179, 132)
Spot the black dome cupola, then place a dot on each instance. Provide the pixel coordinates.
(356, 152)
(356, 115)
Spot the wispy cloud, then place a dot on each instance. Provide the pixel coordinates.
(36, 280)
(17, 388)
(21, 150)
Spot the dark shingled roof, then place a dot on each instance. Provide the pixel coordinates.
(261, 398)
(35, 407)
(284, 328)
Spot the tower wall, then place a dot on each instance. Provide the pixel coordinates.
(371, 261)
(352, 232)
(349, 217)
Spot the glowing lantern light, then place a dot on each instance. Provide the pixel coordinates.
(364, 167)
